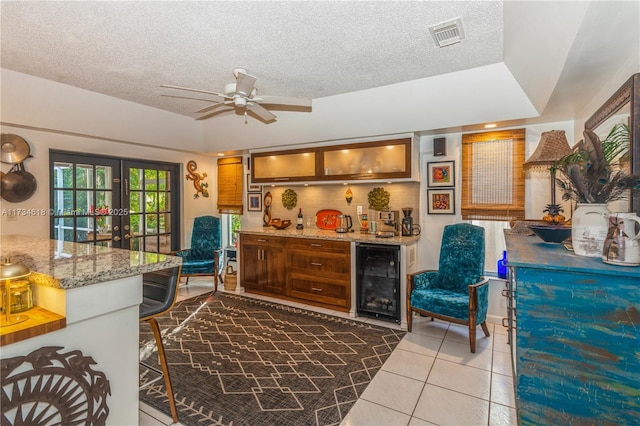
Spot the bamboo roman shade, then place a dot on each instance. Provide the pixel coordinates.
(230, 185)
(492, 175)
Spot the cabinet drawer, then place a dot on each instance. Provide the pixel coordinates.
(320, 263)
(320, 289)
(267, 240)
(324, 246)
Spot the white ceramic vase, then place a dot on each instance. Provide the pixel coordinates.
(589, 229)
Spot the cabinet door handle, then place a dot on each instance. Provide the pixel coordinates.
(315, 245)
(262, 241)
(316, 264)
(316, 289)
(282, 178)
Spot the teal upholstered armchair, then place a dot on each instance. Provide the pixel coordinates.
(457, 292)
(205, 255)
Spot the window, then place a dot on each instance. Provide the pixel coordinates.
(493, 185)
(492, 175)
(495, 243)
(230, 224)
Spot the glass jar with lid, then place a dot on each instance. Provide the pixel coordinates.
(20, 296)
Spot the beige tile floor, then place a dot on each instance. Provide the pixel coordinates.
(431, 378)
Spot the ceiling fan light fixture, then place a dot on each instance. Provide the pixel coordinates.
(447, 33)
(241, 97)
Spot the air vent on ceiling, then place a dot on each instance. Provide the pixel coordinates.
(447, 33)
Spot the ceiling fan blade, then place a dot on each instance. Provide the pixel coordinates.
(195, 90)
(195, 99)
(284, 100)
(217, 111)
(261, 112)
(211, 108)
(245, 83)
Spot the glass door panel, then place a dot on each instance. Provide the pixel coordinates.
(152, 223)
(115, 202)
(85, 199)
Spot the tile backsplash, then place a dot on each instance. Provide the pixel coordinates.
(330, 196)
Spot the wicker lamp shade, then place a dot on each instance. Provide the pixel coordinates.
(553, 145)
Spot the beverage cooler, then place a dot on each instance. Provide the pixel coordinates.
(378, 281)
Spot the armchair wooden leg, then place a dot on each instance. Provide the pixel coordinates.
(485, 329)
(472, 333)
(165, 367)
(409, 319)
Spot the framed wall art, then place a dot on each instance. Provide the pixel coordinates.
(254, 202)
(441, 173)
(441, 201)
(252, 188)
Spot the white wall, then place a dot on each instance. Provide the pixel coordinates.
(537, 191)
(64, 137)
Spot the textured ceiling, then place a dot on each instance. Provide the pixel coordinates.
(303, 49)
(371, 68)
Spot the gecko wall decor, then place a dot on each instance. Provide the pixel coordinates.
(198, 180)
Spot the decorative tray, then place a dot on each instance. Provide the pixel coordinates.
(327, 219)
(280, 224)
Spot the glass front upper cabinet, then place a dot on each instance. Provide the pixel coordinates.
(373, 160)
(390, 159)
(283, 166)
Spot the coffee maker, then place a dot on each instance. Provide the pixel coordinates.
(407, 222)
(389, 221)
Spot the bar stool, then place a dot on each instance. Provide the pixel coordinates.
(159, 291)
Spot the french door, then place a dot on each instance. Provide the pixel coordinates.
(115, 202)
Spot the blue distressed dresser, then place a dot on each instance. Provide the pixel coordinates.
(577, 351)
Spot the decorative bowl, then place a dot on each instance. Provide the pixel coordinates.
(551, 233)
(280, 224)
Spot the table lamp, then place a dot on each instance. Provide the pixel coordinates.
(8, 272)
(553, 146)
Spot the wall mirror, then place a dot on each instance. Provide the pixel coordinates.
(622, 107)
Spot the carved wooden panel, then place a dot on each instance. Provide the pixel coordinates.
(47, 387)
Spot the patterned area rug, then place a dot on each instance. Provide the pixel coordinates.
(240, 361)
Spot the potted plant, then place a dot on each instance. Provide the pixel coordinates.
(594, 175)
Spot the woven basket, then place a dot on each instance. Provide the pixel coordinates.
(230, 279)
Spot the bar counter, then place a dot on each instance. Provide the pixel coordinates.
(323, 234)
(90, 297)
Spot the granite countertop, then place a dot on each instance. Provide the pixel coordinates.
(322, 234)
(68, 265)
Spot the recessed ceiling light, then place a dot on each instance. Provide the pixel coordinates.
(221, 154)
(489, 126)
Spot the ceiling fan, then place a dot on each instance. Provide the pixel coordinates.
(242, 96)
